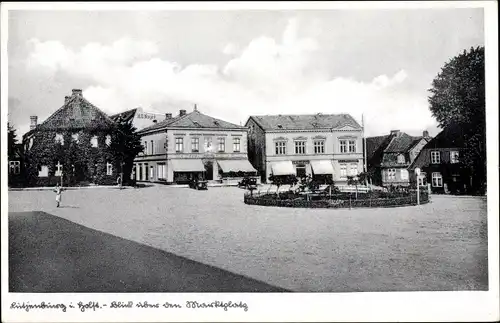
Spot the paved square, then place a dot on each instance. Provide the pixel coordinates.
(439, 246)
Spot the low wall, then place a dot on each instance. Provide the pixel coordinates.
(272, 200)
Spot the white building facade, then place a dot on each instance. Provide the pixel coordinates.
(315, 145)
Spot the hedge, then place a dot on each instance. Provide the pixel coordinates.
(300, 202)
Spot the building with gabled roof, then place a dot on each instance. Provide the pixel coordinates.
(325, 146)
(389, 157)
(71, 145)
(193, 145)
(440, 163)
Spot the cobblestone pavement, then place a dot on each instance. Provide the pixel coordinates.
(438, 246)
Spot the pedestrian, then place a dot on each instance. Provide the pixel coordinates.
(58, 190)
(119, 181)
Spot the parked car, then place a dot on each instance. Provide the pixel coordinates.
(198, 184)
(248, 182)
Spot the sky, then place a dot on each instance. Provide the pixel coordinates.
(233, 64)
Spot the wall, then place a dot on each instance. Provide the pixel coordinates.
(397, 181)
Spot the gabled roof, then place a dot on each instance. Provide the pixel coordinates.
(125, 116)
(305, 121)
(77, 113)
(194, 119)
(375, 144)
(402, 143)
(450, 137)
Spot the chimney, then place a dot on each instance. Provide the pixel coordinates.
(77, 92)
(395, 132)
(168, 116)
(425, 134)
(34, 120)
(195, 107)
(66, 98)
(182, 113)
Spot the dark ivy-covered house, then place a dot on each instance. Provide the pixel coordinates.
(71, 146)
(441, 165)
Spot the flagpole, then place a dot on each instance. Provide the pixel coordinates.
(364, 146)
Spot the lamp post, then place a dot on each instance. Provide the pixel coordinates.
(417, 172)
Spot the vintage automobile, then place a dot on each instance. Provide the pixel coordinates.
(248, 182)
(198, 184)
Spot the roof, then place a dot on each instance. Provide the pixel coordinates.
(375, 144)
(305, 121)
(194, 119)
(125, 116)
(450, 137)
(76, 113)
(402, 143)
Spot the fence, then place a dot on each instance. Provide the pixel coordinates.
(282, 200)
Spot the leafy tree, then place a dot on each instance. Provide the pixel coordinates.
(278, 181)
(125, 146)
(12, 141)
(458, 99)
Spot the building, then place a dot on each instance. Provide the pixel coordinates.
(193, 145)
(321, 145)
(140, 118)
(441, 165)
(70, 146)
(390, 157)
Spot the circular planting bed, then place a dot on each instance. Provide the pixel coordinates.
(342, 200)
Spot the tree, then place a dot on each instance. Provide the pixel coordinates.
(458, 99)
(125, 146)
(280, 180)
(12, 141)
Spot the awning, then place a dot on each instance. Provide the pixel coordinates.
(187, 165)
(322, 167)
(236, 165)
(282, 168)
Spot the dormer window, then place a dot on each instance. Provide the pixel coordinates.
(401, 159)
(280, 126)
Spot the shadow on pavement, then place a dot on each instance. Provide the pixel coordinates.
(48, 254)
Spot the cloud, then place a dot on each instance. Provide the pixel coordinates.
(267, 76)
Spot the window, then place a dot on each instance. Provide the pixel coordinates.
(437, 180)
(59, 138)
(76, 137)
(108, 140)
(435, 157)
(343, 146)
(454, 157)
(353, 170)
(300, 147)
(43, 171)
(109, 169)
(179, 145)
(59, 169)
(14, 167)
(145, 148)
(208, 143)
(151, 172)
(352, 146)
(343, 170)
(391, 173)
(222, 144)
(401, 159)
(160, 171)
(195, 144)
(93, 141)
(280, 147)
(152, 147)
(404, 174)
(319, 146)
(236, 144)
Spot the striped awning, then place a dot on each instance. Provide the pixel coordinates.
(187, 165)
(236, 165)
(282, 168)
(322, 167)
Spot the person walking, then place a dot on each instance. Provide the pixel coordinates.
(58, 190)
(119, 181)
